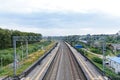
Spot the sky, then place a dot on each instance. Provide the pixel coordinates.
(61, 17)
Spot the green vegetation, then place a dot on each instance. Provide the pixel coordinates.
(97, 60)
(6, 37)
(7, 54)
(96, 50)
(113, 39)
(108, 72)
(6, 50)
(35, 52)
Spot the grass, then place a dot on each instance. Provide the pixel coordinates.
(89, 56)
(7, 54)
(117, 52)
(24, 64)
(108, 71)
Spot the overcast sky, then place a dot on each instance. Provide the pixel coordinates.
(61, 17)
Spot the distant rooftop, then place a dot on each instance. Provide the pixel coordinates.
(83, 41)
(116, 59)
(116, 46)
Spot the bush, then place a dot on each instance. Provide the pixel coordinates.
(81, 51)
(97, 60)
(96, 50)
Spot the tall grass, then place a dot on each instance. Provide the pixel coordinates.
(7, 56)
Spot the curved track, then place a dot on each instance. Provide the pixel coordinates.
(64, 66)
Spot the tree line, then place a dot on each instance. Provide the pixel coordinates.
(6, 37)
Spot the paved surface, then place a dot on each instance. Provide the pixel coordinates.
(64, 66)
(2, 78)
(40, 70)
(89, 70)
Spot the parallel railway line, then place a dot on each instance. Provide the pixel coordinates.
(64, 63)
(89, 70)
(64, 66)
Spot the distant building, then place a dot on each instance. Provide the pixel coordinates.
(114, 62)
(97, 44)
(115, 46)
(83, 41)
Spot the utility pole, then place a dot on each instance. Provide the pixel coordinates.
(22, 49)
(26, 49)
(22, 38)
(104, 57)
(14, 45)
(115, 50)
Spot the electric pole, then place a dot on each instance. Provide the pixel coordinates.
(103, 51)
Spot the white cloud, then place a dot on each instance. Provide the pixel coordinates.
(60, 32)
(27, 6)
(84, 25)
(50, 31)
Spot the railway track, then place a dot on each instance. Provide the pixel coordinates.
(89, 69)
(64, 66)
(64, 63)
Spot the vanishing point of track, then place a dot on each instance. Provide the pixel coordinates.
(64, 66)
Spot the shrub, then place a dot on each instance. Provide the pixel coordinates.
(97, 60)
(81, 51)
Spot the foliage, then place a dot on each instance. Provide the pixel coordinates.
(7, 54)
(26, 62)
(73, 38)
(108, 72)
(113, 39)
(96, 50)
(81, 51)
(6, 37)
(97, 60)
